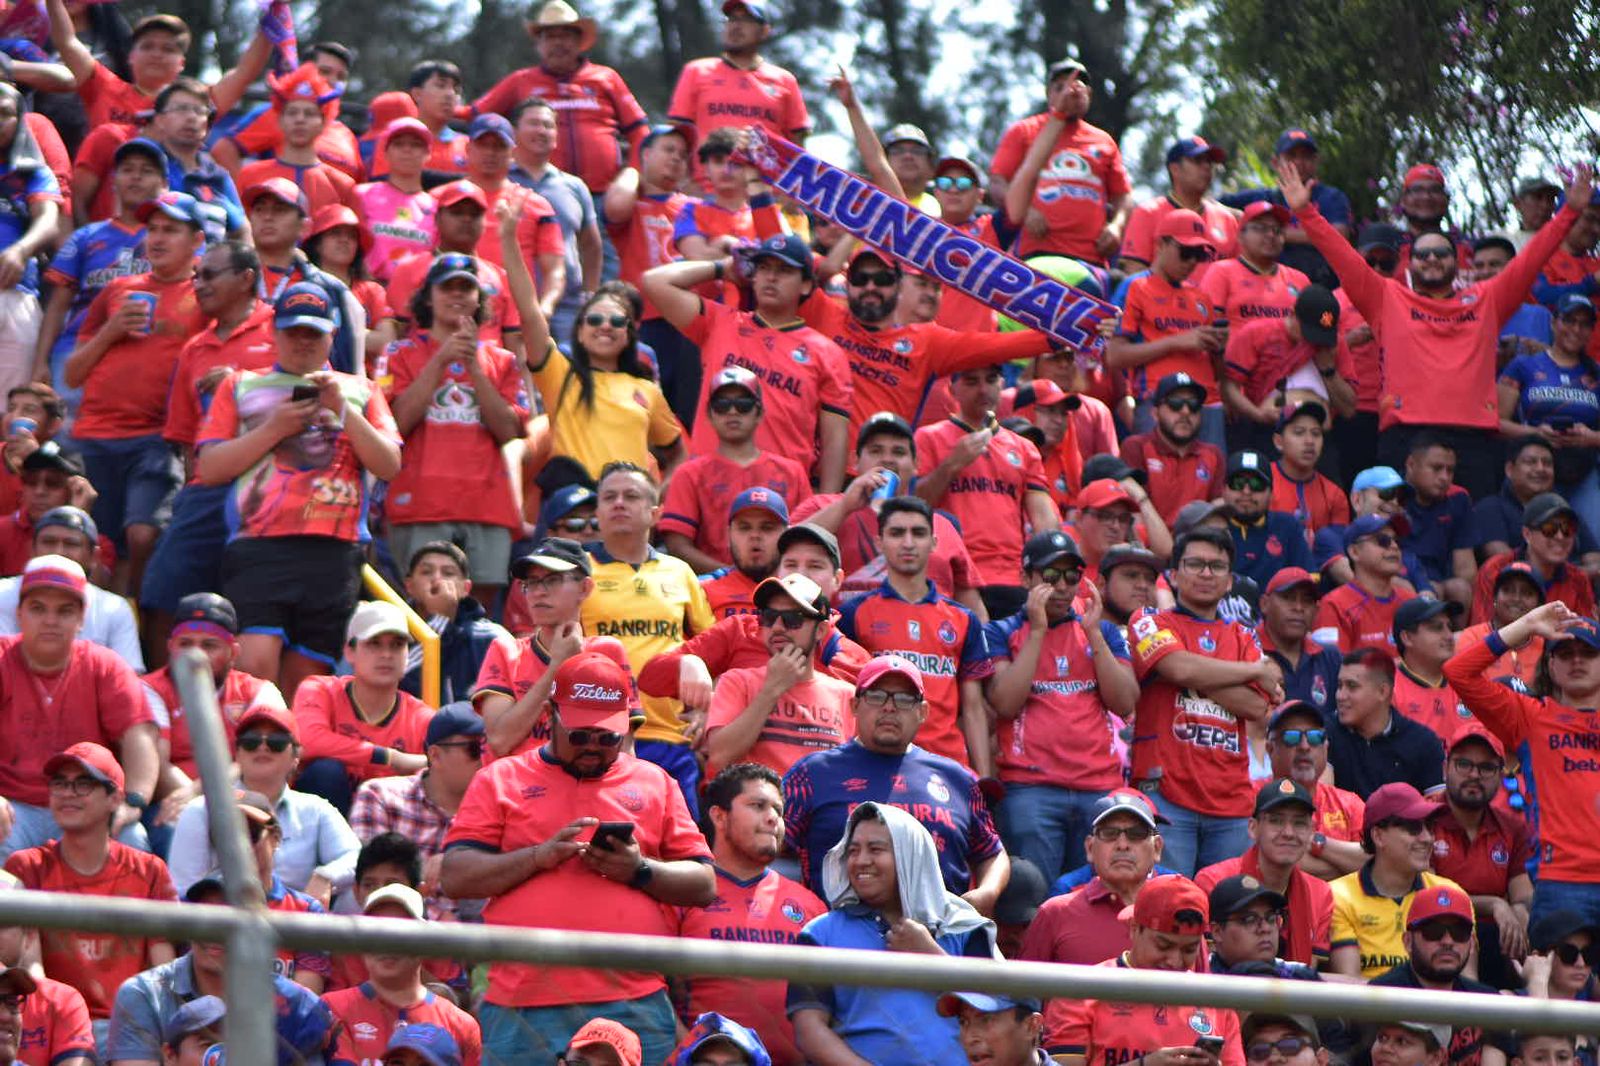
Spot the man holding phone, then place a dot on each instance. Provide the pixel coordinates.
(516, 840)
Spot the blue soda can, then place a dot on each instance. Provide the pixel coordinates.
(148, 299)
(888, 489)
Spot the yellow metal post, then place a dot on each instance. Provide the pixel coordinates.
(421, 632)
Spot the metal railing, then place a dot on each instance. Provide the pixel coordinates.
(253, 934)
(421, 632)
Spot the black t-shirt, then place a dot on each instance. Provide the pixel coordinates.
(1466, 1041)
(1407, 751)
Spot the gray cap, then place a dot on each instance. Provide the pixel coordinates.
(1195, 513)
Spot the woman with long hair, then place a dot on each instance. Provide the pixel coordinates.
(337, 244)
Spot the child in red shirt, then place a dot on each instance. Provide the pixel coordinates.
(1296, 486)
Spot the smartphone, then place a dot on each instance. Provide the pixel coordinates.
(304, 392)
(606, 833)
(1212, 1044)
(1219, 323)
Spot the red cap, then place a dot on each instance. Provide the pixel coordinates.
(1185, 227)
(867, 251)
(1044, 392)
(332, 216)
(889, 664)
(1472, 729)
(1423, 172)
(1439, 901)
(1289, 577)
(386, 107)
(95, 759)
(275, 716)
(1171, 904)
(1396, 800)
(1104, 493)
(457, 191)
(406, 124)
(592, 692)
(304, 83)
(1266, 207)
(279, 189)
(614, 1035)
(53, 572)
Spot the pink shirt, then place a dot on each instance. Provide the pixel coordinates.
(401, 223)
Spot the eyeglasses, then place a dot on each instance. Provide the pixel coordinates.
(793, 618)
(75, 786)
(595, 318)
(1136, 834)
(583, 738)
(1205, 566)
(577, 525)
(1256, 922)
(1433, 253)
(742, 404)
(186, 109)
(1051, 575)
(1436, 929)
(1248, 483)
(473, 748)
(1486, 769)
(1288, 1047)
(1382, 540)
(1315, 737)
(275, 742)
(883, 279)
(878, 698)
(210, 274)
(1569, 954)
(946, 183)
(1557, 527)
(1194, 255)
(1112, 518)
(544, 584)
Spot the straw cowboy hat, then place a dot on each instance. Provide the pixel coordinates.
(558, 14)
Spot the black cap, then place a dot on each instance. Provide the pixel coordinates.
(1294, 707)
(1129, 555)
(1536, 512)
(1281, 792)
(1026, 890)
(1173, 382)
(1249, 462)
(557, 554)
(1233, 894)
(1042, 549)
(1379, 235)
(1317, 311)
(1024, 429)
(49, 456)
(456, 719)
(885, 422)
(1107, 465)
(1414, 612)
(815, 534)
(1259, 1020)
(785, 248)
(207, 607)
(1552, 927)
(1309, 408)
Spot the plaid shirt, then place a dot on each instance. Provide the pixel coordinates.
(401, 805)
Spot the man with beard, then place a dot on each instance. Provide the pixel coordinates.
(1484, 849)
(1297, 746)
(1180, 466)
(892, 363)
(907, 616)
(776, 714)
(756, 519)
(1264, 541)
(1128, 576)
(755, 903)
(1438, 942)
(1310, 671)
(699, 500)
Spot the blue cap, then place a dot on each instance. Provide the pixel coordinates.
(1573, 301)
(305, 304)
(140, 144)
(1195, 148)
(434, 1043)
(983, 1002)
(1585, 631)
(1417, 610)
(1377, 477)
(206, 1012)
(662, 129)
(785, 247)
(68, 517)
(449, 267)
(1294, 137)
(456, 719)
(173, 204)
(759, 12)
(492, 123)
(760, 499)
(713, 1026)
(1367, 525)
(564, 501)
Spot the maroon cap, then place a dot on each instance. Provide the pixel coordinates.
(592, 692)
(889, 664)
(1396, 800)
(95, 759)
(1170, 904)
(1472, 729)
(1439, 901)
(1289, 577)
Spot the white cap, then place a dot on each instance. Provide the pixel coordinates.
(408, 898)
(375, 617)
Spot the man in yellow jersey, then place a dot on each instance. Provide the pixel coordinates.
(649, 601)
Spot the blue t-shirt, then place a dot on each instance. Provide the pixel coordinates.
(91, 258)
(1553, 393)
(884, 1025)
(1499, 517)
(1530, 321)
(821, 790)
(220, 209)
(19, 189)
(1440, 528)
(574, 207)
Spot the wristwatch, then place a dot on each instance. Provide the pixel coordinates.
(1318, 842)
(1329, 372)
(134, 799)
(643, 875)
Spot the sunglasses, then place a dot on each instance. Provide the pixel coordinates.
(1382, 540)
(1558, 528)
(577, 525)
(275, 742)
(1136, 834)
(1436, 929)
(1569, 954)
(1248, 483)
(595, 318)
(1433, 253)
(473, 748)
(878, 698)
(1390, 494)
(946, 183)
(724, 404)
(883, 279)
(1489, 768)
(1288, 1047)
(1180, 404)
(1194, 255)
(583, 738)
(1315, 737)
(1052, 575)
(793, 618)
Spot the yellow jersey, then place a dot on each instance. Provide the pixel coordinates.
(1373, 922)
(629, 417)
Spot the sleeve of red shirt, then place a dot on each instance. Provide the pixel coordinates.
(796, 120)
(1033, 469)
(1322, 924)
(835, 388)
(314, 719)
(682, 107)
(1508, 289)
(977, 658)
(680, 510)
(479, 820)
(1505, 712)
(963, 571)
(222, 417)
(1152, 640)
(1068, 1026)
(1138, 240)
(100, 309)
(1365, 286)
(680, 837)
(629, 113)
(377, 413)
(120, 696)
(183, 404)
(539, 230)
(71, 1031)
(505, 95)
(952, 350)
(1133, 312)
(94, 154)
(24, 866)
(1014, 145)
(1117, 183)
(54, 152)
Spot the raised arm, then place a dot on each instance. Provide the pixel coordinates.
(64, 38)
(230, 88)
(873, 157)
(1365, 285)
(535, 327)
(670, 288)
(1019, 193)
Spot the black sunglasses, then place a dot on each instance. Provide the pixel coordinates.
(721, 405)
(1178, 403)
(1050, 575)
(1392, 493)
(1569, 954)
(585, 737)
(793, 618)
(883, 279)
(1288, 1047)
(1248, 483)
(1436, 929)
(275, 742)
(595, 318)
(1432, 253)
(576, 525)
(1194, 255)
(1382, 540)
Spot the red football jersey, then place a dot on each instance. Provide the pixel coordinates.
(702, 489)
(1242, 293)
(1082, 176)
(329, 726)
(986, 496)
(729, 591)
(125, 394)
(335, 145)
(1352, 618)
(249, 347)
(812, 715)
(644, 239)
(1155, 309)
(712, 93)
(598, 120)
(1139, 240)
(365, 1023)
(1107, 1033)
(501, 313)
(55, 1025)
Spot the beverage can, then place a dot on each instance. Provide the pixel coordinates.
(890, 487)
(23, 425)
(148, 299)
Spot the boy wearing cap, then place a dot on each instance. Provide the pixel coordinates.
(54, 686)
(1061, 689)
(757, 518)
(1518, 589)
(1264, 541)
(1247, 925)
(703, 488)
(86, 789)
(437, 586)
(107, 618)
(1360, 613)
(1253, 285)
(394, 997)
(363, 726)
(261, 132)
(298, 502)
(1190, 168)
(1297, 487)
(395, 209)
(1293, 1036)
(305, 105)
(907, 616)
(195, 1027)
(1166, 926)
(1550, 541)
(1179, 465)
(50, 478)
(607, 1043)
(1425, 642)
(1281, 835)
(527, 860)
(777, 714)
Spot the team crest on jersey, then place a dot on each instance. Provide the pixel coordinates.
(800, 355)
(902, 346)
(1319, 689)
(1202, 474)
(365, 1031)
(1274, 545)
(1014, 458)
(938, 789)
(1462, 712)
(1061, 666)
(1200, 1023)
(1061, 484)
(631, 798)
(1154, 465)
(792, 911)
(914, 629)
(947, 632)
(1207, 642)
(1498, 855)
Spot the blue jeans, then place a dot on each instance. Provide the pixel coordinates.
(679, 761)
(1194, 841)
(1046, 825)
(516, 1035)
(1213, 423)
(1580, 896)
(33, 826)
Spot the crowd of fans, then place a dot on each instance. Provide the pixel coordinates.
(783, 594)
